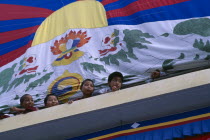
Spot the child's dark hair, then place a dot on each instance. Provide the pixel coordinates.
(46, 98)
(23, 98)
(115, 74)
(83, 82)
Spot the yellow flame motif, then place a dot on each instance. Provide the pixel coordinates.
(69, 53)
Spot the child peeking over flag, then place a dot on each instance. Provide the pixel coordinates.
(115, 81)
(27, 104)
(87, 88)
(51, 100)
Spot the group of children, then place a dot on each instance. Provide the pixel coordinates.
(115, 81)
(27, 104)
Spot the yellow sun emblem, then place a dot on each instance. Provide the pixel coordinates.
(65, 85)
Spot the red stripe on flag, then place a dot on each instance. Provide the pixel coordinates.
(140, 6)
(6, 58)
(10, 12)
(17, 34)
(105, 2)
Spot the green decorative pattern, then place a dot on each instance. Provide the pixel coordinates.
(93, 67)
(165, 34)
(114, 59)
(201, 45)
(199, 26)
(169, 63)
(16, 97)
(133, 39)
(182, 56)
(196, 57)
(6, 76)
(24, 79)
(207, 57)
(40, 81)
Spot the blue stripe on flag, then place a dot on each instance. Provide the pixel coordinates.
(118, 4)
(10, 25)
(189, 9)
(48, 4)
(13, 45)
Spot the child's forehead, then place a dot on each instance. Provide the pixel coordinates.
(116, 77)
(88, 82)
(52, 96)
(28, 97)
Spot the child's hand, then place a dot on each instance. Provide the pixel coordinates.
(70, 101)
(155, 74)
(115, 88)
(15, 109)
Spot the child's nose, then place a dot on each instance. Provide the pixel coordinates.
(117, 82)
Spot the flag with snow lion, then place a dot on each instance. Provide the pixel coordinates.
(52, 50)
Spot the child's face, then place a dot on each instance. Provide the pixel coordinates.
(87, 88)
(115, 84)
(28, 102)
(52, 101)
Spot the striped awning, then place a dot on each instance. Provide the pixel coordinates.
(176, 126)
